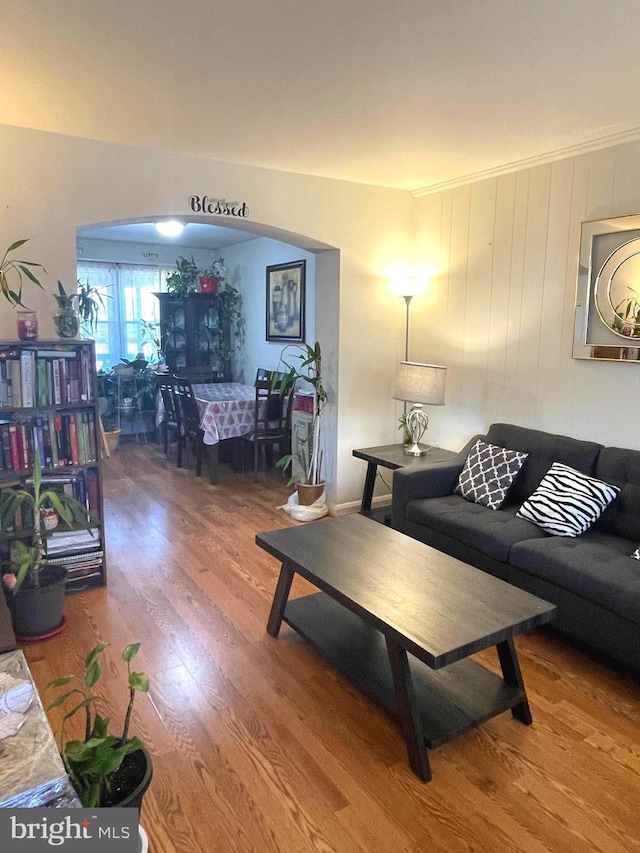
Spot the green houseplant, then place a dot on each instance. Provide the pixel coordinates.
(34, 590)
(105, 769)
(14, 268)
(183, 279)
(77, 308)
(304, 363)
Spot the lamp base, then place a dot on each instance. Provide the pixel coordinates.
(416, 423)
(415, 449)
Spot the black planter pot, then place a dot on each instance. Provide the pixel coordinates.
(131, 780)
(39, 612)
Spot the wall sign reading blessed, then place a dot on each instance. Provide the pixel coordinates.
(204, 204)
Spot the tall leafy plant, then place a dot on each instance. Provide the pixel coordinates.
(92, 762)
(303, 362)
(28, 560)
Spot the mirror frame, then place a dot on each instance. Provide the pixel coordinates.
(593, 337)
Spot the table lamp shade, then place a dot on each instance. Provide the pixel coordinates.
(420, 383)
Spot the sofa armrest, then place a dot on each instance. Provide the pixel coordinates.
(433, 481)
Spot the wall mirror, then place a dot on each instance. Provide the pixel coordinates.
(607, 318)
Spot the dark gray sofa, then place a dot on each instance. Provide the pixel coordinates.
(591, 578)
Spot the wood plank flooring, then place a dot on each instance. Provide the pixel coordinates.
(260, 747)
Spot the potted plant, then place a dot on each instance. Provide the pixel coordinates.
(106, 770)
(74, 309)
(33, 589)
(13, 267)
(183, 279)
(305, 364)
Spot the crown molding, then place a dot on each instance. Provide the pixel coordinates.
(632, 135)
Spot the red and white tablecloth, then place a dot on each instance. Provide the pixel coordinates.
(226, 409)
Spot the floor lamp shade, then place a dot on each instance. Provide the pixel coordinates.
(420, 383)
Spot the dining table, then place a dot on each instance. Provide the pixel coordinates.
(226, 411)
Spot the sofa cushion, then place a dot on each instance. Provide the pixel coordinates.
(544, 448)
(488, 474)
(622, 468)
(567, 502)
(595, 566)
(492, 532)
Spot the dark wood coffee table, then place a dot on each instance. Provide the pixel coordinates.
(400, 620)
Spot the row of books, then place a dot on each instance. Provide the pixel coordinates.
(31, 378)
(61, 439)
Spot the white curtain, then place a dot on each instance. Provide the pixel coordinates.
(127, 292)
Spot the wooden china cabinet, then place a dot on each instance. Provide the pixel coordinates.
(193, 333)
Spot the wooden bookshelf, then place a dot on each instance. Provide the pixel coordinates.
(49, 401)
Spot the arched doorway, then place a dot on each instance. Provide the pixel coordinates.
(252, 247)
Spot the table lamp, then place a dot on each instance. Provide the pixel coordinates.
(419, 384)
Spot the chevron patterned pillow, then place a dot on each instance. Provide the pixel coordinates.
(488, 473)
(567, 502)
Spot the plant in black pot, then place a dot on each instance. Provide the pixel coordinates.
(35, 590)
(106, 770)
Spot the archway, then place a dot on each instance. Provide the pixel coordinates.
(326, 267)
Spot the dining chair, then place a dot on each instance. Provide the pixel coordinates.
(171, 420)
(189, 417)
(271, 418)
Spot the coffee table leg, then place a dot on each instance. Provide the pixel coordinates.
(408, 710)
(280, 600)
(512, 675)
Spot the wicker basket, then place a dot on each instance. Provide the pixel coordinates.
(112, 439)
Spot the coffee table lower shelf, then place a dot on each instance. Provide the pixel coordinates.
(451, 700)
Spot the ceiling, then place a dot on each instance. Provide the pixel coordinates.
(194, 236)
(408, 94)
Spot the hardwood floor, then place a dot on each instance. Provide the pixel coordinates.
(259, 746)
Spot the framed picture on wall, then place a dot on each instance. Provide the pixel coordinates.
(285, 302)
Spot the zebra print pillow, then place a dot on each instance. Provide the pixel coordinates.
(567, 502)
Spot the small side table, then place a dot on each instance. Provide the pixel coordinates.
(391, 456)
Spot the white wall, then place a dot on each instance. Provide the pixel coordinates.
(246, 264)
(51, 184)
(500, 313)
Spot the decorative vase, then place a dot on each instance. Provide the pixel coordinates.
(208, 284)
(67, 322)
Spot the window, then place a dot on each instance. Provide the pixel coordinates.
(127, 292)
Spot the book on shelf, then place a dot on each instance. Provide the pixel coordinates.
(27, 379)
(89, 557)
(62, 439)
(35, 377)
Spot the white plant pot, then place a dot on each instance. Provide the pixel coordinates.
(144, 840)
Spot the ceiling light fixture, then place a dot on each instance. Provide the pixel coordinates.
(170, 227)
